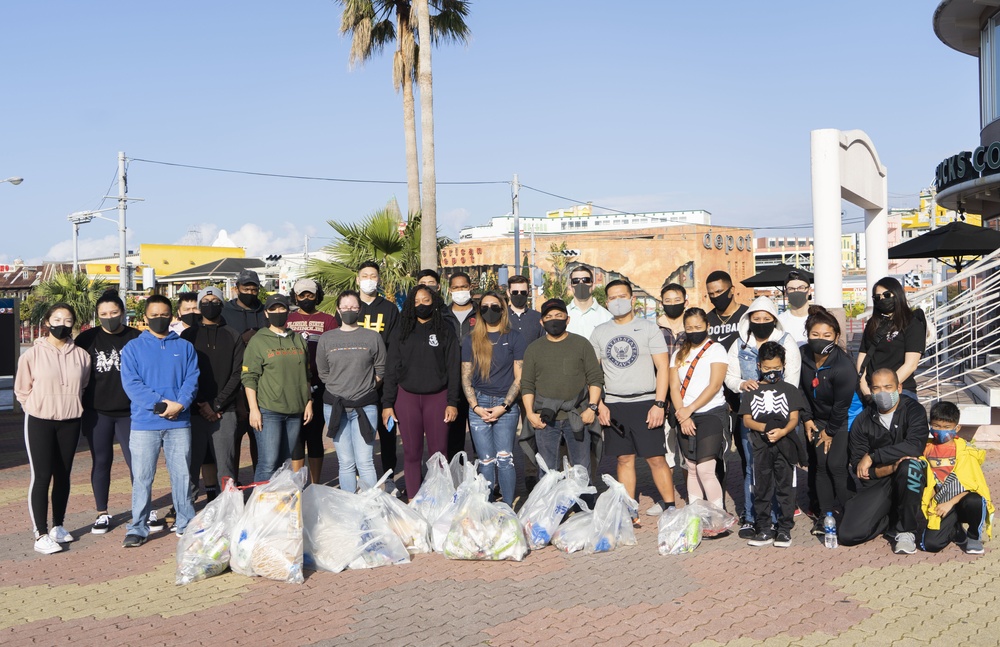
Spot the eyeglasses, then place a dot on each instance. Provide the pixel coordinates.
(513, 292)
(805, 289)
(350, 309)
(582, 279)
(882, 296)
(494, 307)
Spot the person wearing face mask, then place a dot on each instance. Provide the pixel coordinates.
(956, 502)
(245, 312)
(382, 316)
(311, 324)
(829, 381)
(758, 325)
(528, 323)
(220, 351)
(584, 312)
(464, 311)
(885, 444)
(673, 298)
(160, 376)
(561, 384)
(894, 338)
(492, 357)
(793, 319)
(726, 313)
(50, 382)
(276, 379)
(771, 414)
(187, 312)
(351, 364)
(423, 383)
(432, 279)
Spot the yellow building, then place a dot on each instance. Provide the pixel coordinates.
(164, 259)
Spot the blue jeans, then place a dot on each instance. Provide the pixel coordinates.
(494, 443)
(278, 435)
(548, 445)
(748, 508)
(353, 453)
(145, 448)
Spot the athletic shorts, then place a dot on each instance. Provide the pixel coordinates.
(639, 439)
(707, 441)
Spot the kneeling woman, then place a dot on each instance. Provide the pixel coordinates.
(697, 371)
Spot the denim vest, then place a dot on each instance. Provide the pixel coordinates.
(748, 359)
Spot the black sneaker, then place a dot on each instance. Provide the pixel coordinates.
(818, 530)
(102, 525)
(747, 530)
(171, 515)
(782, 539)
(155, 524)
(133, 541)
(211, 493)
(762, 538)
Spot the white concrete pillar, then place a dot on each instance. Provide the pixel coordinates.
(826, 195)
(877, 241)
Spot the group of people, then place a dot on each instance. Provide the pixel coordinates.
(678, 392)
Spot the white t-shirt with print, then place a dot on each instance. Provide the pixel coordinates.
(702, 377)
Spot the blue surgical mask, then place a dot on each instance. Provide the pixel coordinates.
(942, 436)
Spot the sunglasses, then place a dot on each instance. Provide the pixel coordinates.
(584, 279)
(518, 292)
(494, 307)
(883, 296)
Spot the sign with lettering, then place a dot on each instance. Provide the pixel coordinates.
(981, 162)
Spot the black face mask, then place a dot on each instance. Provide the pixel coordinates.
(249, 300)
(797, 299)
(490, 316)
(721, 302)
(519, 300)
(771, 377)
(424, 311)
(821, 346)
(159, 325)
(673, 311)
(61, 332)
(555, 327)
(211, 310)
(277, 319)
(885, 306)
(582, 291)
(762, 330)
(350, 317)
(307, 305)
(111, 324)
(191, 319)
(697, 338)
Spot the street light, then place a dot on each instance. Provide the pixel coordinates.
(13, 180)
(81, 218)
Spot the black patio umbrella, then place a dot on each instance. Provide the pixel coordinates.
(775, 276)
(949, 244)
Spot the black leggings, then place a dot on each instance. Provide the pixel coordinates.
(310, 442)
(101, 432)
(971, 510)
(51, 447)
(829, 474)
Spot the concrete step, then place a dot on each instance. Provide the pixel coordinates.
(984, 386)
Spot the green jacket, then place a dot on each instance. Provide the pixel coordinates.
(277, 368)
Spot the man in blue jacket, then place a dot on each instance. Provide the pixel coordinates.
(160, 376)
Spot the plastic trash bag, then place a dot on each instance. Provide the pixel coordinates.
(441, 526)
(409, 526)
(267, 540)
(681, 530)
(437, 490)
(343, 530)
(484, 531)
(203, 551)
(462, 469)
(604, 529)
(551, 499)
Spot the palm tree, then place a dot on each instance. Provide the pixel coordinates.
(428, 201)
(373, 24)
(76, 289)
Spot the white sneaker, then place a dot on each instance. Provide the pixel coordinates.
(155, 525)
(61, 535)
(47, 545)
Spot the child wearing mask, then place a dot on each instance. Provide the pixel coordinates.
(770, 414)
(956, 500)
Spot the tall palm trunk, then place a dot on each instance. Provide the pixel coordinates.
(428, 225)
(404, 49)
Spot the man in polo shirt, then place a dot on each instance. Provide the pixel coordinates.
(585, 313)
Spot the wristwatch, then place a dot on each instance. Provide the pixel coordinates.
(660, 404)
(507, 407)
(593, 407)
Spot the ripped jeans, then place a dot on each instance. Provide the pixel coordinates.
(494, 444)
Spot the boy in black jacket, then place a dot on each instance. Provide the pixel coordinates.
(885, 445)
(772, 412)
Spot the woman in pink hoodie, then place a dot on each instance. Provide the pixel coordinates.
(51, 377)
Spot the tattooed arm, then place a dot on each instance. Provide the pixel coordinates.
(515, 386)
(470, 393)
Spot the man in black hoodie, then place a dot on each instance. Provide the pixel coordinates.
(220, 360)
(381, 315)
(885, 444)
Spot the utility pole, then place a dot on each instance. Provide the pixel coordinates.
(531, 268)
(515, 189)
(123, 282)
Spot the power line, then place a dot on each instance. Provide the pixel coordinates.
(298, 177)
(562, 197)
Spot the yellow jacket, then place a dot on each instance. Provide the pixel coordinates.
(969, 471)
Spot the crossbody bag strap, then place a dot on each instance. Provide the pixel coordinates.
(690, 371)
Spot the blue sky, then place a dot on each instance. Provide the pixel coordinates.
(648, 105)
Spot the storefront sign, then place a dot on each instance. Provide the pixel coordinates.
(728, 242)
(966, 166)
(461, 256)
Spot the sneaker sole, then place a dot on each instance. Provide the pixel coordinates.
(904, 551)
(48, 552)
(99, 531)
(782, 544)
(156, 528)
(758, 544)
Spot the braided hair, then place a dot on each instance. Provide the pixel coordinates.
(408, 316)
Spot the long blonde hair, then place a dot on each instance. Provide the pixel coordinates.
(482, 347)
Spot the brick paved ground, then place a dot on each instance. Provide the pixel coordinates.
(725, 593)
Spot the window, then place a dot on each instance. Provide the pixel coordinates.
(989, 67)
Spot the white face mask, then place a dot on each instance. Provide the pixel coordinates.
(368, 286)
(461, 297)
(620, 307)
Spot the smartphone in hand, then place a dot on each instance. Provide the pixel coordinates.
(160, 408)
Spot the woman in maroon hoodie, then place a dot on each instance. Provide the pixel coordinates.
(51, 377)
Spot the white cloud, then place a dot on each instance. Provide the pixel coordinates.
(451, 222)
(201, 234)
(262, 242)
(88, 248)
